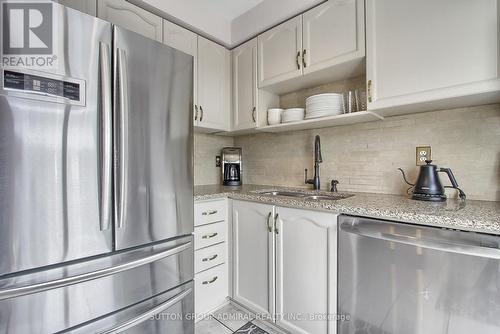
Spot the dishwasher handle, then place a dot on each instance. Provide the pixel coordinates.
(412, 235)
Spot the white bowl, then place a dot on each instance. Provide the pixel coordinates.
(274, 116)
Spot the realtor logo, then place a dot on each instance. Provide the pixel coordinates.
(28, 34)
(27, 28)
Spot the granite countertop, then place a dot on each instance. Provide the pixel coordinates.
(476, 216)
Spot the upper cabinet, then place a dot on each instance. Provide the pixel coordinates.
(244, 68)
(186, 41)
(428, 55)
(213, 100)
(84, 6)
(325, 44)
(128, 16)
(333, 33)
(279, 52)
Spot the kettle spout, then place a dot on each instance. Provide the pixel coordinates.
(404, 177)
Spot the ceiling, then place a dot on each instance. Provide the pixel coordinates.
(229, 22)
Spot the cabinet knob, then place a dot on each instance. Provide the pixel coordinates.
(298, 60)
(209, 213)
(210, 281)
(196, 112)
(201, 113)
(253, 114)
(369, 88)
(276, 224)
(211, 258)
(304, 58)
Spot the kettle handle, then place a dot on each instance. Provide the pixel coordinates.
(453, 181)
(448, 171)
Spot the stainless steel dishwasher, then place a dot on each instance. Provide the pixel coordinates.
(404, 279)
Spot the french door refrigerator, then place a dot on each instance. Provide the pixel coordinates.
(96, 185)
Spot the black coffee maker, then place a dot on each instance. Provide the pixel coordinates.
(231, 166)
(428, 186)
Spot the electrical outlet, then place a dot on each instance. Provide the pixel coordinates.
(217, 161)
(423, 153)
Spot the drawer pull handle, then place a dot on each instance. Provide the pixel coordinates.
(211, 281)
(210, 236)
(209, 213)
(211, 258)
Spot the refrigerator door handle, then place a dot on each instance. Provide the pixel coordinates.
(105, 139)
(122, 110)
(84, 277)
(147, 315)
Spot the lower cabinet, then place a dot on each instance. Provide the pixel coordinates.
(211, 277)
(253, 256)
(284, 265)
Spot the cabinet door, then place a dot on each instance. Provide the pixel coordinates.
(245, 86)
(84, 6)
(186, 41)
(306, 244)
(427, 51)
(213, 85)
(334, 32)
(128, 16)
(280, 52)
(253, 256)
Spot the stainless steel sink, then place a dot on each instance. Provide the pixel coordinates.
(305, 195)
(282, 193)
(333, 197)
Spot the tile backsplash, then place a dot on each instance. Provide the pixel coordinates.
(206, 147)
(365, 157)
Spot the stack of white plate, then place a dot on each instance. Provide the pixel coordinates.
(323, 105)
(292, 115)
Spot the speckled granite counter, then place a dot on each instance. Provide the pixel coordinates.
(478, 216)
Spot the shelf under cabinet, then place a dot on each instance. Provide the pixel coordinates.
(323, 122)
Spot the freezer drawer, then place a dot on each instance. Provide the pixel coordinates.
(64, 297)
(170, 312)
(399, 278)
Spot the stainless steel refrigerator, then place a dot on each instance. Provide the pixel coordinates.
(96, 186)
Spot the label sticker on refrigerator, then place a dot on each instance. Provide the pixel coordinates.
(45, 87)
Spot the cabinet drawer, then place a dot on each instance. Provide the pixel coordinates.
(209, 257)
(210, 289)
(209, 212)
(208, 235)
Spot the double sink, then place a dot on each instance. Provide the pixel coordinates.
(305, 195)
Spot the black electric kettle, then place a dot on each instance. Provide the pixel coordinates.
(429, 187)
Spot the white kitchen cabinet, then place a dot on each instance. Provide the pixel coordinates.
(284, 265)
(306, 243)
(324, 44)
(210, 256)
(213, 86)
(84, 6)
(187, 42)
(280, 52)
(244, 68)
(131, 17)
(333, 33)
(253, 256)
(427, 54)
